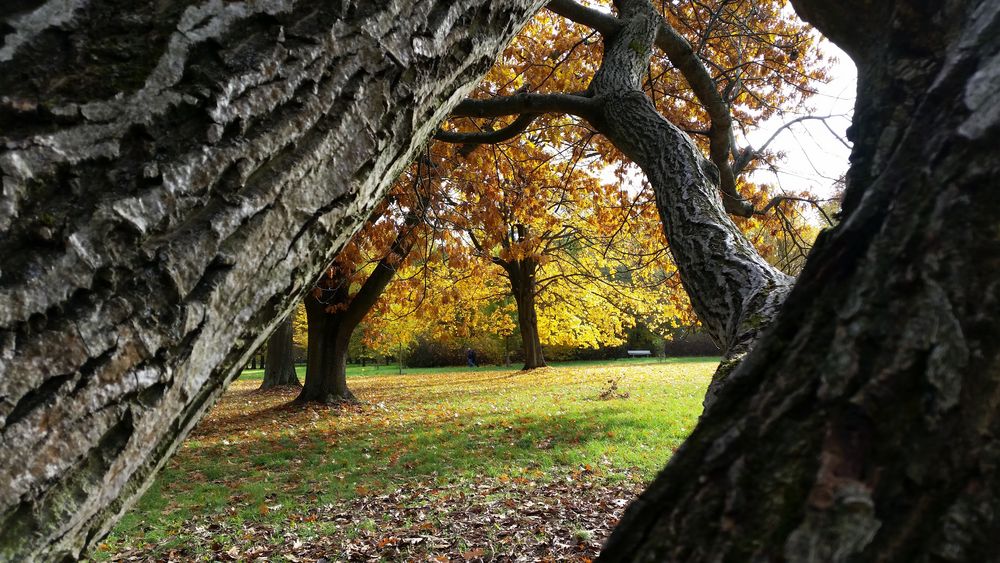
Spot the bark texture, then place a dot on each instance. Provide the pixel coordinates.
(863, 426)
(279, 368)
(174, 174)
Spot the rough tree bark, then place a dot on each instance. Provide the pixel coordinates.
(864, 425)
(173, 177)
(279, 368)
(734, 291)
(521, 274)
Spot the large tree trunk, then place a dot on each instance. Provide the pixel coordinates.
(174, 176)
(326, 357)
(521, 274)
(279, 368)
(863, 426)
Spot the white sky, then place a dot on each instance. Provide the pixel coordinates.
(814, 157)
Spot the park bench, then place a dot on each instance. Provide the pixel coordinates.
(637, 353)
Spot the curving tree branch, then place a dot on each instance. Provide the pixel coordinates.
(574, 104)
(588, 105)
(720, 135)
(488, 136)
(606, 24)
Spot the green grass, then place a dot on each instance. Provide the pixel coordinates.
(356, 370)
(257, 459)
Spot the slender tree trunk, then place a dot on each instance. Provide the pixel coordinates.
(326, 364)
(279, 369)
(174, 175)
(521, 274)
(864, 425)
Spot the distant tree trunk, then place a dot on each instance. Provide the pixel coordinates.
(279, 369)
(326, 358)
(864, 425)
(521, 274)
(175, 174)
(326, 368)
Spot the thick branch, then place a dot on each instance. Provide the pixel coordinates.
(489, 136)
(720, 136)
(383, 273)
(573, 104)
(606, 24)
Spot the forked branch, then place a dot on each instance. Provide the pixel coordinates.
(720, 135)
(680, 53)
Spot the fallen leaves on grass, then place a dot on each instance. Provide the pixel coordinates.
(463, 466)
(560, 519)
(612, 391)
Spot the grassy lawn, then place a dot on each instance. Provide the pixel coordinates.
(436, 464)
(355, 370)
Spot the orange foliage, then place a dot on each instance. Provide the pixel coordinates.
(563, 196)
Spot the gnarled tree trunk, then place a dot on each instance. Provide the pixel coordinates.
(734, 291)
(279, 368)
(174, 176)
(864, 425)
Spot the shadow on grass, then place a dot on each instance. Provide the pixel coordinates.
(489, 445)
(258, 457)
(406, 391)
(312, 466)
(358, 372)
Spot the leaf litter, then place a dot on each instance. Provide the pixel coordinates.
(463, 467)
